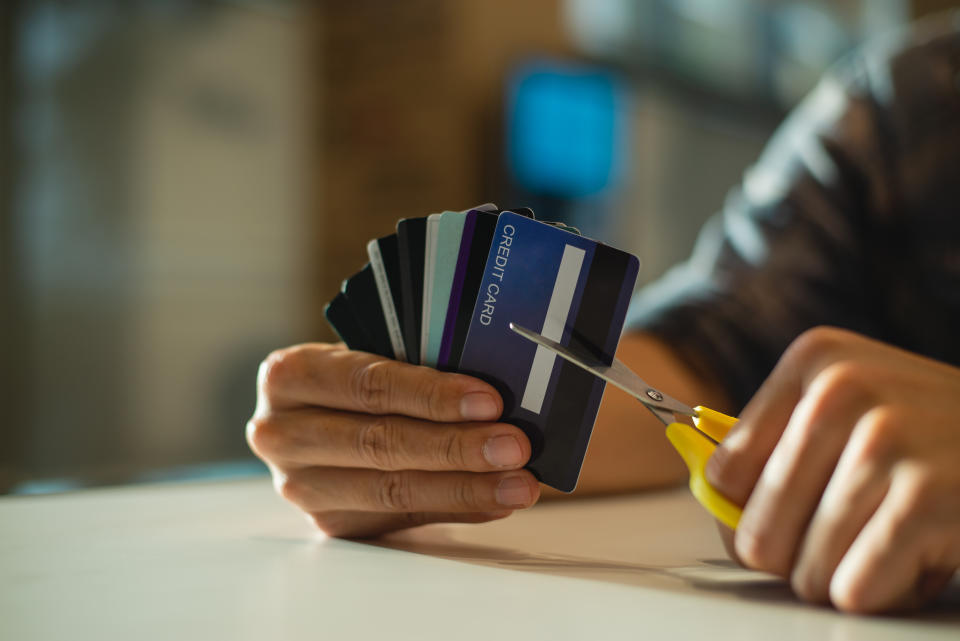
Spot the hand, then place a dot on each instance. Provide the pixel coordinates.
(365, 445)
(847, 462)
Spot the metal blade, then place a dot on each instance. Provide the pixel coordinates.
(662, 405)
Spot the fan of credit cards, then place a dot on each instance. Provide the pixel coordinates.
(443, 290)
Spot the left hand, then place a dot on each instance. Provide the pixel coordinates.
(847, 463)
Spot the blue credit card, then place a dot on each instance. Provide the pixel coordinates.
(568, 288)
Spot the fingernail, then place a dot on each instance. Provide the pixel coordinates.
(514, 491)
(478, 406)
(503, 451)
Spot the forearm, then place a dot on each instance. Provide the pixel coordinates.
(628, 450)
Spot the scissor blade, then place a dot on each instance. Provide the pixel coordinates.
(617, 373)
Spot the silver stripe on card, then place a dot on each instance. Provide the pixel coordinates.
(568, 274)
(386, 301)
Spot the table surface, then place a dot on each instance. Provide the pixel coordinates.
(230, 560)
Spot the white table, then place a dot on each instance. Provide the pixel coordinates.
(231, 561)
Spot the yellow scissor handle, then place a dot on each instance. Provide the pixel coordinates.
(696, 451)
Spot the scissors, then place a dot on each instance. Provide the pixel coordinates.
(695, 443)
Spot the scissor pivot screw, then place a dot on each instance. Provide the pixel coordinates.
(655, 395)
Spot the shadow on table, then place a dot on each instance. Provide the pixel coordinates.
(719, 576)
(709, 574)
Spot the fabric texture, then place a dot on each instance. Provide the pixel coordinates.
(850, 218)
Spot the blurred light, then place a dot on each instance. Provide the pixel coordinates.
(565, 129)
(604, 27)
(744, 49)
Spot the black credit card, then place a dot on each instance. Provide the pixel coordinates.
(411, 244)
(362, 295)
(344, 322)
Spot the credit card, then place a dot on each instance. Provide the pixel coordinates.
(478, 228)
(411, 240)
(429, 256)
(385, 262)
(571, 289)
(344, 322)
(484, 207)
(474, 244)
(361, 293)
(446, 252)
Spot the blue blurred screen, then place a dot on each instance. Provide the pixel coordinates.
(564, 129)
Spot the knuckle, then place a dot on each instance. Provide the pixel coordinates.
(755, 550)
(337, 525)
(464, 496)
(921, 502)
(278, 369)
(845, 378)
(727, 464)
(805, 585)
(451, 450)
(289, 488)
(377, 443)
(323, 522)
(370, 386)
(844, 599)
(837, 388)
(848, 594)
(430, 395)
(394, 492)
(881, 434)
(813, 344)
(263, 437)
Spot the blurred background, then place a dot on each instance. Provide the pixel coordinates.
(184, 184)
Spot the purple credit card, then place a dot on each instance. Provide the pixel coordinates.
(478, 231)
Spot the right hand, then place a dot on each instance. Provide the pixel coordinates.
(365, 445)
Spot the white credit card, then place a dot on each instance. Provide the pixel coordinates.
(387, 296)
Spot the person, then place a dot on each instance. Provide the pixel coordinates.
(823, 302)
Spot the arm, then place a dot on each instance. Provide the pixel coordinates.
(845, 460)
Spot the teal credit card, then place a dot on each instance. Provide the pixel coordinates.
(429, 252)
(446, 252)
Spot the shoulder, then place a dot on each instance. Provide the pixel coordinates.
(884, 119)
(910, 72)
(911, 81)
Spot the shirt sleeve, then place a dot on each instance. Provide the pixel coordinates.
(790, 247)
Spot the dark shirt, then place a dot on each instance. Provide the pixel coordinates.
(850, 218)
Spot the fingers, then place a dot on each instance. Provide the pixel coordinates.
(846, 462)
(330, 438)
(737, 463)
(883, 567)
(850, 499)
(349, 524)
(799, 468)
(334, 377)
(323, 489)
(908, 549)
